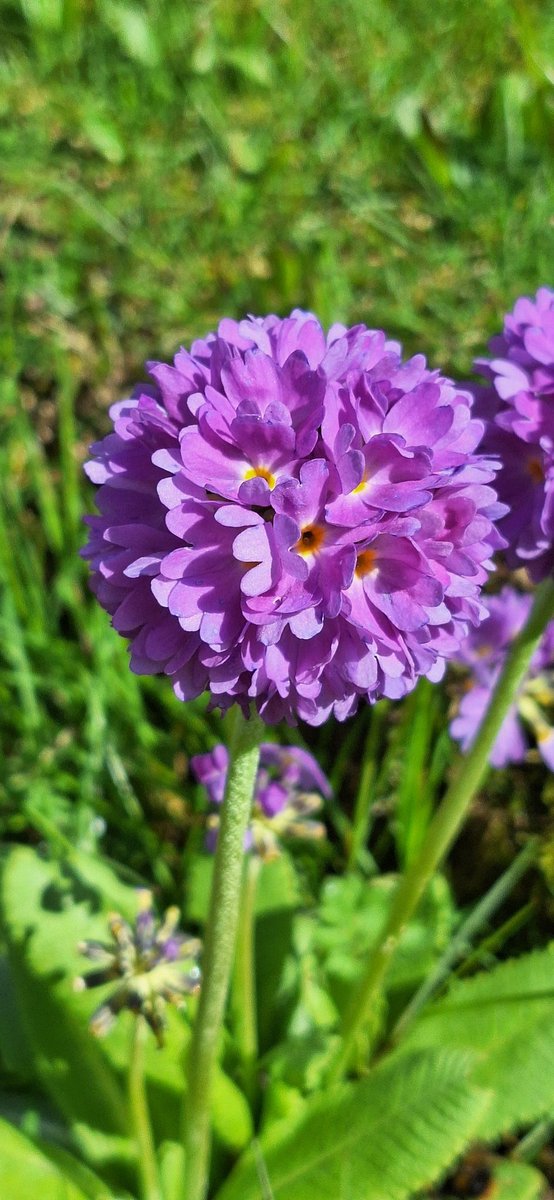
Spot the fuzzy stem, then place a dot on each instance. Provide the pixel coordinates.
(140, 1120)
(444, 826)
(219, 945)
(244, 978)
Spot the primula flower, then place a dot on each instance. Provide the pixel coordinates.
(293, 519)
(520, 407)
(290, 787)
(152, 964)
(532, 713)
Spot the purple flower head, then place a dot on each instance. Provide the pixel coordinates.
(290, 787)
(293, 519)
(483, 654)
(151, 964)
(519, 405)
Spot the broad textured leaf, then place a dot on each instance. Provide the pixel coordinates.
(47, 910)
(81, 1176)
(25, 1172)
(507, 1017)
(381, 1139)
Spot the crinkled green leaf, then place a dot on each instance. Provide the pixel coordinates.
(351, 916)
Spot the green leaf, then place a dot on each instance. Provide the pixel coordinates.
(381, 1139)
(43, 14)
(171, 1156)
(518, 1181)
(351, 917)
(47, 909)
(103, 135)
(276, 900)
(25, 1171)
(15, 1056)
(254, 64)
(247, 151)
(231, 1114)
(507, 1017)
(90, 1184)
(133, 30)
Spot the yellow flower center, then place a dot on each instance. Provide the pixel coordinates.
(261, 473)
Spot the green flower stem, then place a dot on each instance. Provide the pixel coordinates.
(140, 1120)
(219, 946)
(244, 978)
(443, 827)
(462, 941)
(364, 798)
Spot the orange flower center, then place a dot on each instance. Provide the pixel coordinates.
(535, 469)
(365, 562)
(310, 540)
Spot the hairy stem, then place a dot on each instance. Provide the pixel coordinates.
(219, 945)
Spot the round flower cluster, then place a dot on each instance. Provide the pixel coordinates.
(293, 519)
(532, 713)
(520, 408)
(289, 789)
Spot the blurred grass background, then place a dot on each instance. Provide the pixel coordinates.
(162, 165)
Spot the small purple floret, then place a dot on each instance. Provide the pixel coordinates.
(290, 788)
(293, 519)
(483, 654)
(519, 405)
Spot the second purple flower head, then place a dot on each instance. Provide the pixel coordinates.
(519, 405)
(290, 788)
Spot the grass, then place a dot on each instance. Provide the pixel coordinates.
(164, 165)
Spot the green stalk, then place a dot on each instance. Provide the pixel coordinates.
(140, 1120)
(365, 795)
(243, 995)
(462, 941)
(219, 946)
(443, 827)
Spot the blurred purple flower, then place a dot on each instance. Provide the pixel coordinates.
(483, 654)
(151, 964)
(293, 519)
(519, 405)
(290, 787)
